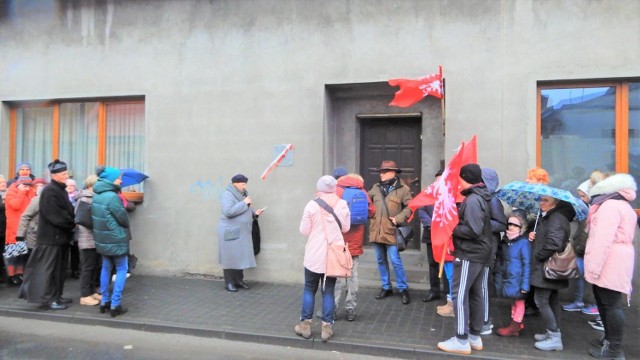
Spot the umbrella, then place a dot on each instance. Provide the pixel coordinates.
(527, 196)
(132, 177)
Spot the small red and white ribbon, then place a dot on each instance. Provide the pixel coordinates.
(276, 161)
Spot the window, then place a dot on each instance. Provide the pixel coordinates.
(84, 134)
(586, 127)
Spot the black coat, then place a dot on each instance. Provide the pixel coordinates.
(498, 225)
(57, 219)
(472, 237)
(552, 235)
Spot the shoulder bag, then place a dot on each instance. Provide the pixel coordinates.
(562, 265)
(83, 214)
(339, 261)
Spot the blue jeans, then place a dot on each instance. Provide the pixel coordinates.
(384, 253)
(311, 282)
(122, 266)
(579, 295)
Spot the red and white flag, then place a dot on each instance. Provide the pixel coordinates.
(412, 91)
(443, 195)
(276, 161)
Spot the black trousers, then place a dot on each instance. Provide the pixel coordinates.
(610, 307)
(549, 305)
(74, 258)
(233, 276)
(89, 272)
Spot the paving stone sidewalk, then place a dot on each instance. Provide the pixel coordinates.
(267, 312)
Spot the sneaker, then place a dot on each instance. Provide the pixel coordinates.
(574, 306)
(456, 346)
(590, 310)
(475, 342)
(487, 329)
(597, 324)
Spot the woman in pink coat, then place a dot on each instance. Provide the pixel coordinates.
(609, 256)
(322, 228)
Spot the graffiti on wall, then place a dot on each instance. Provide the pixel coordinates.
(208, 189)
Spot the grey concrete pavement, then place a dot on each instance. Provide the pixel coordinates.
(267, 312)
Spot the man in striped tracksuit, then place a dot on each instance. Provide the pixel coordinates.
(472, 240)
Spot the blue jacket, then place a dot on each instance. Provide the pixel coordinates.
(110, 220)
(512, 268)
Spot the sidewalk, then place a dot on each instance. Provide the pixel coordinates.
(267, 313)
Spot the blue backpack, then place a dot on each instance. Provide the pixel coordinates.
(358, 203)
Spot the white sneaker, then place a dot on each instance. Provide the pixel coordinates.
(456, 346)
(475, 341)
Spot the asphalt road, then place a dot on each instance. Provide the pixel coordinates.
(36, 339)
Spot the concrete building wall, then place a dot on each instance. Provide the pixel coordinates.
(226, 81)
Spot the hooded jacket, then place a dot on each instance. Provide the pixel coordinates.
(498, 218)
(355, 236)
(552, 235)
(16, 202)
(84, 236)
(110, 220)
(609, 257)
(512, 270)
(472, 237)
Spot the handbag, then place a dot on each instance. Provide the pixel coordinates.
(339, 261)
(562, 265)
(255, 235)
(403, 233)
(83, 214)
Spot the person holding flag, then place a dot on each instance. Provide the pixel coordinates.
(472, 240)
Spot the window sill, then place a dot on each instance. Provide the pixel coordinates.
(133, 196)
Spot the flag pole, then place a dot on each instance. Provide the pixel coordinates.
(441, 265)
(442, 103)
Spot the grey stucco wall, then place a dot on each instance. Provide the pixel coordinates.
(225, 81)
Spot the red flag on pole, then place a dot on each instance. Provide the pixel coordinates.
(412, 91)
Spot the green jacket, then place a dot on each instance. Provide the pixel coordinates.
(381, 229)
(110, 220)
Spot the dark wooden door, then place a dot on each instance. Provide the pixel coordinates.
(397, 139)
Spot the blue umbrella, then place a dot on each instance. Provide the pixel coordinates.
(132, 177)
(527, 196)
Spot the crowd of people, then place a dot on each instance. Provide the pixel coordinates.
(40, 221)
(53, 230)
(491, 240)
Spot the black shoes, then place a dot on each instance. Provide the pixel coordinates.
(15, 280)
(104, 307)
(432, 296)
(53, 306)
(351, 315)
(62, 300)
(405, 297)
(383, 294)
(118, 310)
(242, 285)
(231, 288)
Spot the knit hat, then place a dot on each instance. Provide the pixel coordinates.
(339, 172)
(471, 173)
(109, 174)
(57, 166)
(239, 179)
(585, 187)
(326, 184)
(39, 181)
(25, 180)
(24, 163)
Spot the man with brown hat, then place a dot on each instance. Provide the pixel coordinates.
(472, 239)
(391, 199)
(44, 276)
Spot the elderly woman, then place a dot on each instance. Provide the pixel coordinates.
(551, 236)
(324, 220)
(110, 224)
(235, 244)
(610, 256)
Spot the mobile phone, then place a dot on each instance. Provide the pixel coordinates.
(263, 209)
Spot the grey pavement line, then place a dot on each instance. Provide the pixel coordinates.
(375, 349)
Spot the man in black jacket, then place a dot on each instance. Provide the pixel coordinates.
(472, 240)
(45, 273)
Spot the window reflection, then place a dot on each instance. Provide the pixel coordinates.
(578, 133)
(634, 135)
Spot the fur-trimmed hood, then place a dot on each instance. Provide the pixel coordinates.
(624, 184)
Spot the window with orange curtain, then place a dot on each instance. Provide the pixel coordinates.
(85, 134)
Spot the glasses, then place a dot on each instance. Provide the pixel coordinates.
(516, 225)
